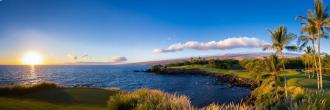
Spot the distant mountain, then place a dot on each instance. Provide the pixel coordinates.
(238, 56)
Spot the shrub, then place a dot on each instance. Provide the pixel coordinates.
(313, 100)
(225, 64)
(230, 106)
(144, 99)
(265, 94)
(294, 63)
(308, 100)
(157, 68)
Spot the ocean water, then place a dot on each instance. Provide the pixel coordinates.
(202, 90)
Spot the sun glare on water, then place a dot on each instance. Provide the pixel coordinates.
(32, 58)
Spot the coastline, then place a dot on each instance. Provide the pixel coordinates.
(232, 80)
(228, 78)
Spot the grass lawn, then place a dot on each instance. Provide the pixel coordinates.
(30, 104)
(294, 78)
(240, 73)
(58, 98)
(299, 79)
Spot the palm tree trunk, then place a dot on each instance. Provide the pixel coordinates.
(305, 62)
(276, 85)
(320, 63)
(308, 66)
(315, 64)
(285, 85)
(275, 80)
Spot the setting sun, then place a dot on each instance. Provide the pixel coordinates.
(32, 58)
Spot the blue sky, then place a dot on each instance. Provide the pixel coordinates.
(103, 29)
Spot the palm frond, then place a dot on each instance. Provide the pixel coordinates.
(325, 35)
(291, 48)
(267, 47)
(310, 13)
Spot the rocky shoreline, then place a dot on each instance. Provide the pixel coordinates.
(232, 80)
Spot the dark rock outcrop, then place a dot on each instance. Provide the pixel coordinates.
(228, 78)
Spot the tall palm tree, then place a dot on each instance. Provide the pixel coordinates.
(309, 31)
(320, 20)
(273, 65)
(281, 38)
(307, 58)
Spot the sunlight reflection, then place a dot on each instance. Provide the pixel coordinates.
(32, 75)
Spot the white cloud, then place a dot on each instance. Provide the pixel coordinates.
(72, 57)
(118, 59)
(229, 43)
(75, 57)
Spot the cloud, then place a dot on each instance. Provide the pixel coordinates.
(229, 43)
(72, 57)
(118, 59)
(75, 57)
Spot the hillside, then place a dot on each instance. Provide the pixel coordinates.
(238, 56)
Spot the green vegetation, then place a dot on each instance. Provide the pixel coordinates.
(299, 86)
(315, 25)
(215, 71)
(280, 40)
(222, 64)
(29, 104)
(48, 96)
(305, 100)
(144, 99)
(230, 106)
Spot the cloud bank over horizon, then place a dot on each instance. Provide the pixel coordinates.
(83, 59)
(229, 43)
(118, 59)
(75, 57)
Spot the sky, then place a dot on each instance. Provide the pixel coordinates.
(127, 31)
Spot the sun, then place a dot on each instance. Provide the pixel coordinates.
(32, 58)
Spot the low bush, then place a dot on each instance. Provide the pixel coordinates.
(310, 100)
(144, 99)
(230, 106)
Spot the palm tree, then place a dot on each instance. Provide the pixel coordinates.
(309, 31)
(319, 19)
(281, 38)
(307, 58)
(274, 67)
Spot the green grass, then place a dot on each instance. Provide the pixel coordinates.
(299, 86)
(239, 73)
(48, 97)
(294, 78)
(30, 104)
(301, 80)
